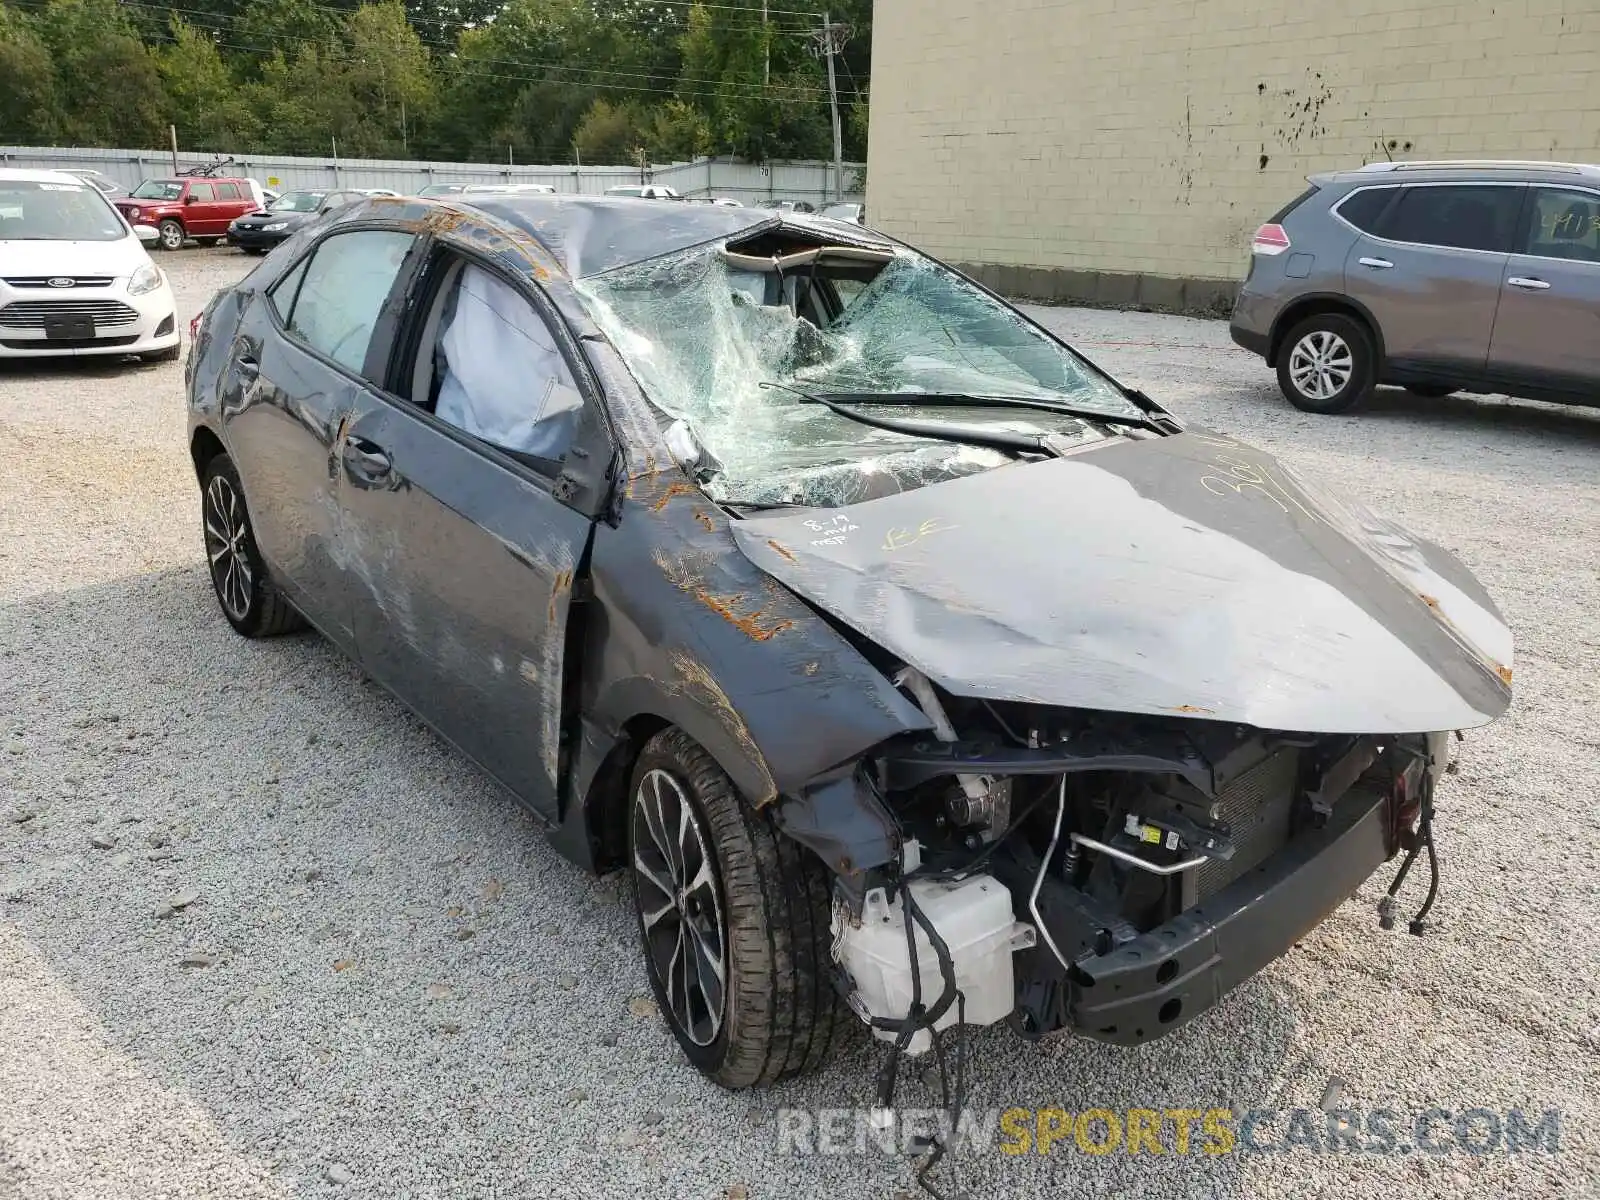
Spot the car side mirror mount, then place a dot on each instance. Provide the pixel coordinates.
(188, 199)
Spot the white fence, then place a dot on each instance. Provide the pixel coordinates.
(750, 183)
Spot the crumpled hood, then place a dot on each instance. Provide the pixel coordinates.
(1187, 575)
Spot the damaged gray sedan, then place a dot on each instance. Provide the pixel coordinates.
(912, 666)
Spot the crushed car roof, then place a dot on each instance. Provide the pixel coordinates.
(589, 235)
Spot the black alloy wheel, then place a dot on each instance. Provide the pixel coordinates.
(249, 598)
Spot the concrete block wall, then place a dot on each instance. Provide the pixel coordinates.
(1146, 139)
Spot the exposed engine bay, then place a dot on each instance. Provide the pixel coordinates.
(1128, 849)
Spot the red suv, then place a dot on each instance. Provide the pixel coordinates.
(189, 208)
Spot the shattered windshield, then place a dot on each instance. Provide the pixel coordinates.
(703, 329)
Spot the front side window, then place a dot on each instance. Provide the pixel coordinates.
(345, 285)
(1460, 216)
(56, 212)
(704, 329)
(502, 376)
(202, 193)
(159, 189)
(1563, 224)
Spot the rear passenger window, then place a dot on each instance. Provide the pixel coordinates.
(227, 191)
(343, 290)
(1465, 216)
(1563, 224)
(286, 289)
(1362, 209)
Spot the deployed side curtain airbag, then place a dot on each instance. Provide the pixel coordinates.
(505, 380)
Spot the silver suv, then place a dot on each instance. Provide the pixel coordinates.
(1437, 276)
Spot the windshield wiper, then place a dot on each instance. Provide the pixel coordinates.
(964, 400)
(970, 435)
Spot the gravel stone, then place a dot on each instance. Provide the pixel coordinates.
(123, 1077)
(340, 1174)
(566, 981)
(102, 841)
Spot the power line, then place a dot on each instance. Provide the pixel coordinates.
(800, 95)
(467, 64)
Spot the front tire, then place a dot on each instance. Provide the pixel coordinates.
(1327, 364)
(733, 920)
(249, 598)
(172, 234)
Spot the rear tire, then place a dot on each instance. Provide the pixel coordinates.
(249, 598)
(172, 234)
(1327, 364)
(715, 879)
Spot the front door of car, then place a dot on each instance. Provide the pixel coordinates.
(301, 358)
(466, 558)
(1430, 274)
(1547, 335)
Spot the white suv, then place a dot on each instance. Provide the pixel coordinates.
(74, 276)
(647, 191)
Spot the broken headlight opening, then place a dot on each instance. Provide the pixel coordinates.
(1099, 873)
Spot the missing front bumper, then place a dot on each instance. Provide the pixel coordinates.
(1150, 986)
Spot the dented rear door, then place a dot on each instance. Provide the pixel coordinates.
(462, 565)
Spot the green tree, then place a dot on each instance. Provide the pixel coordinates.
(388, 76)
(611, 133)
(204, 102)
(109, 89)
(29, 109)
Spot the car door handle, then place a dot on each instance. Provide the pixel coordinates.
(1379, 264)
(367, 459)
(1528, 285)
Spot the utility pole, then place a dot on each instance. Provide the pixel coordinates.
(766, 47)
(172, 132)
(830, 41)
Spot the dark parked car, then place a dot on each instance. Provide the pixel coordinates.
(840, 604)
(1438, 276)
(260, 231)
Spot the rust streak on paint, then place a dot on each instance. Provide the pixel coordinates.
(705, 520)
(697, 678)
(563, 584)
(1431, 601)
(727, 607)
(780, 548)
(673, 490)
(1504, 672)
(1191, 708)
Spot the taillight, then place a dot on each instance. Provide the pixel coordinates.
(1270, 239)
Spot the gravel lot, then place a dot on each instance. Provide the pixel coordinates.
(407, 994)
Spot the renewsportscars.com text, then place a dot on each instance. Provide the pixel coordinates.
(1177, 1131)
